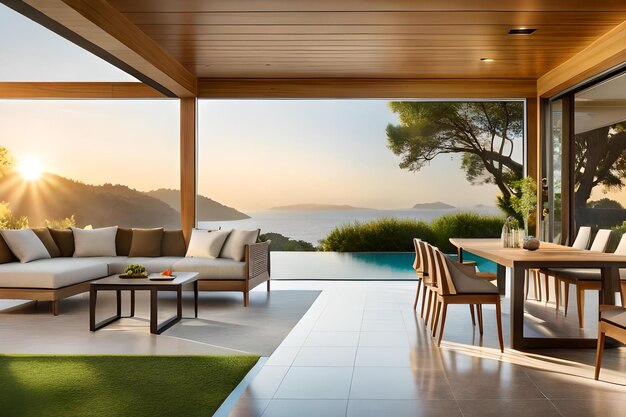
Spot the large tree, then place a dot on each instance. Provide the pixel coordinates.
(484, 133)
(600, 160)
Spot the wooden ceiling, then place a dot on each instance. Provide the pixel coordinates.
(371, 38)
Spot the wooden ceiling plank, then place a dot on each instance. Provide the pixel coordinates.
(606, 52)
(373, 5)
(83, 90)
(381, 18)
(100, 28)
(365, 88)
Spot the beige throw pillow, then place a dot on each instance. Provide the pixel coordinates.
(25, 245)
(94, 242)
(204, 244)
(234, 246)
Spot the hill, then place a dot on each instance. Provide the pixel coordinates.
(438, 205)
(316, 207)
(56, 197)
(207, 209)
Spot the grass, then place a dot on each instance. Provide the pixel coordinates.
(117, 385)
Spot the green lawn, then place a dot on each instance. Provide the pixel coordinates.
(117, 385)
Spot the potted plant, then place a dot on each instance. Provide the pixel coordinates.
(524, 204)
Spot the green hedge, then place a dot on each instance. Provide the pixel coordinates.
(396, 235)
(382, 235)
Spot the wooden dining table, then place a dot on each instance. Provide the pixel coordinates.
(549, 255)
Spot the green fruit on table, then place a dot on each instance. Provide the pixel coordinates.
(135, 269)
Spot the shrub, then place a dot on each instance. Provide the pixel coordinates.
(382, 235)
(396, 235)
(283, 243)
(465, 225)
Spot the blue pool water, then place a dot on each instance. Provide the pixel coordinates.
(395, 266)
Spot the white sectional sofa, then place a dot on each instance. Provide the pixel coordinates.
(63, 276)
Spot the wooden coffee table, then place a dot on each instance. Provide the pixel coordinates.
(117, 284)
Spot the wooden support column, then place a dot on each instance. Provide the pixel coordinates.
(532, 155)
(188, 165)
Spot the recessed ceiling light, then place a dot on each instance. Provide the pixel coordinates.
(487, 59)
(522, 31)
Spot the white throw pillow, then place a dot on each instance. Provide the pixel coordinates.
(25, 245)
(234, 246)
(205, 244)
(94, 242)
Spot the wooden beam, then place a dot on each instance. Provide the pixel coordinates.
(188, 165)
(99, 28)
(365, 88)
(606, 52)
(61, 90)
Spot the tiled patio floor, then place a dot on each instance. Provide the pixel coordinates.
(361, 351)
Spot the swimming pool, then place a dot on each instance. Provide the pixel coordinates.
(373, 266)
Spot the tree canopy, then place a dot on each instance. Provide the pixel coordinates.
(484, 133)
(600, 160)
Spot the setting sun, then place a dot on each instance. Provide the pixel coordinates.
(30, 169)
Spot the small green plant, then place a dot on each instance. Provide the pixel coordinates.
(526, 202)
(9, 221)
(65, 223)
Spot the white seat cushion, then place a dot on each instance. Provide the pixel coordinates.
(52, 273)
(25, 245)
(152, 265)
(215, 269)
(466, 284)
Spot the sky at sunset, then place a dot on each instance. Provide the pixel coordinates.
(252, 154)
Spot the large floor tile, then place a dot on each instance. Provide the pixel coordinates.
(345, 339)
(283, 356)
(382, 325)
(382, 383)
(306, 408)
(560, 386)
(584, 408)
(384, 339)
(325, 356)
(266, 382)
(508, 408)
(403, 408)
(503, 381)
(383, 356)
(249, 407)
(316, 383)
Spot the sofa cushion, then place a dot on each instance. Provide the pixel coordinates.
(123, 240)
(212, 269)
(206, 244)
(146, 242)
(152, 265)
(52, 273)
(235, 242)
(6, 255)
(64, 238)
(94, 242)
(25, 245)
(46, 238)
(173, 243)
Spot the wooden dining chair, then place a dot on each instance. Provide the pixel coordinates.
(583, 237)
(585, 279)
(423, 266)
(458, 284)
(612, 324)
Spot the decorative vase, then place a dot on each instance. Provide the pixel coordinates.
(531, 243)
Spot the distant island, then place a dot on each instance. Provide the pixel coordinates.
(438, 205)
(316, 207)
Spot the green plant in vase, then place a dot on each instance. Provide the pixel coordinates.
(526, 202)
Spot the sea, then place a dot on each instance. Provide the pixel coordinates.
(312, 226)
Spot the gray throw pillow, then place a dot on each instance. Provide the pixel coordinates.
(25, 245)
(237, 239)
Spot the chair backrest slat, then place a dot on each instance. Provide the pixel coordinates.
(444, 277)
(621, 247)
(417, 263)
(582, 238)
(601, 241)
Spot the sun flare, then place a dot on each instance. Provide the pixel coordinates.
(30, 169)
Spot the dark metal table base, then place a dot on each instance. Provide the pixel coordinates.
(155, 327)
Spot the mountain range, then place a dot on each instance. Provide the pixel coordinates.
(316, 207)
(55, 197)
(438, 205)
